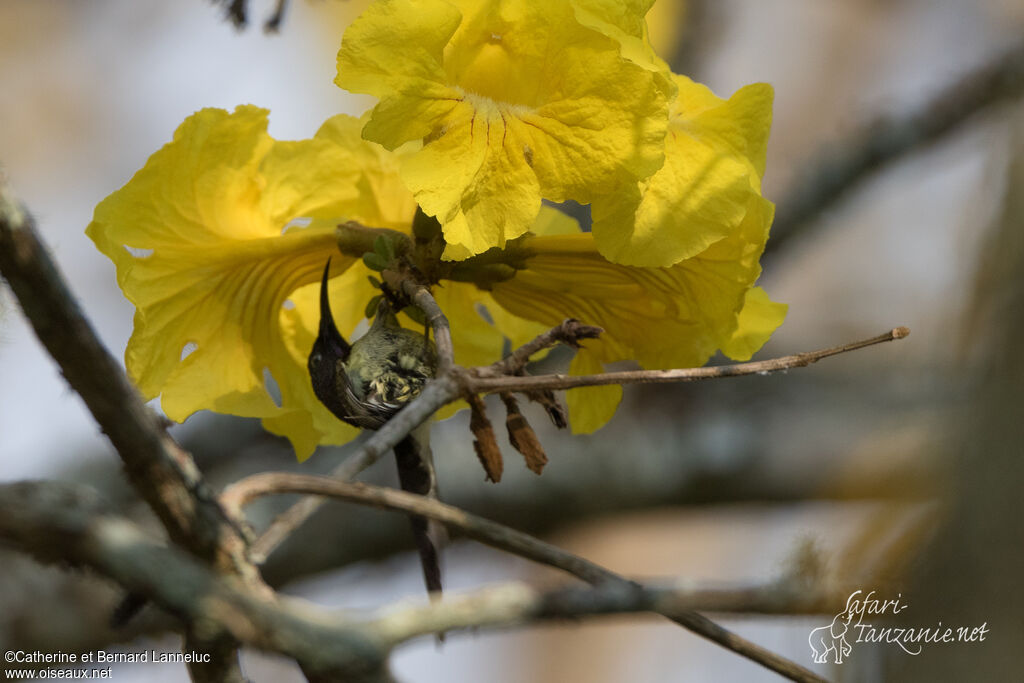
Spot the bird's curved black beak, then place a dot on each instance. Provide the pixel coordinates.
(329, 336)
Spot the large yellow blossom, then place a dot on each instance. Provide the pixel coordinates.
(714, 157)
(514, 101)
(209, 246)
(714, 160)
(673, 317)
(199, 241)
(224, 277)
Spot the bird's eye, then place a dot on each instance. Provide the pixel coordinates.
(315, 358)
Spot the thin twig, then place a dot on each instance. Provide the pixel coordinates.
(424, 300)
(569, 332)
(436, 394)
(840, 169)
(499, 536)
(490, 385)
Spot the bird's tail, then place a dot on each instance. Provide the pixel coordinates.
(416, 475)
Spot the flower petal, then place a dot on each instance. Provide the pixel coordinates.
(661, 317)
(197, 239)
(759, 318)
(381, 199)
(623, 21)
(486, 193)
(590, 408)
(523, 102)
(714, 159)
(741, 124)
(394, 50)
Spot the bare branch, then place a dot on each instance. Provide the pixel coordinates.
(436, 394)
(244, 491)
(489, 385)
(424, 300)
(498, 536)
(515, 603)
(164, 475)
(68, 523)
(569, 332)
(885, 140)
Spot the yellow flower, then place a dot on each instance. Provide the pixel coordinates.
(206, 245)
(673, 317)
(200, 243)
(711, 179)
(219, 241)
(514, 100)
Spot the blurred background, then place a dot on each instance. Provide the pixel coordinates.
(894, 466)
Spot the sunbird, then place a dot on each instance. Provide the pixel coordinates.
(365, 383)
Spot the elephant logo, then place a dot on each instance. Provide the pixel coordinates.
(831, 639)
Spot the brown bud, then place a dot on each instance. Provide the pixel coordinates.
(552, 406)
(485, 443)
(522, 437)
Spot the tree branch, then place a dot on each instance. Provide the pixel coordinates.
(424, 300)
(517, 603)
(459, 381)
(449, 387)
(497, 535)
(838, 170)
(68, 523)
(569, 332)
(488, 384)
(436, 394)
(164, 475)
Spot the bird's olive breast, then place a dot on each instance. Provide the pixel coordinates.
(391, 365)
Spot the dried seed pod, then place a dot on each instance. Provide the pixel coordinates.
(485, 443)
(522, 437)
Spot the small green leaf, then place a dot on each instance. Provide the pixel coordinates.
(374, 262)
(374, 281)
(372, 305)
(382, 247)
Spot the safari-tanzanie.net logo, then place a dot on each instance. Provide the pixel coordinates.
(866, 619)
